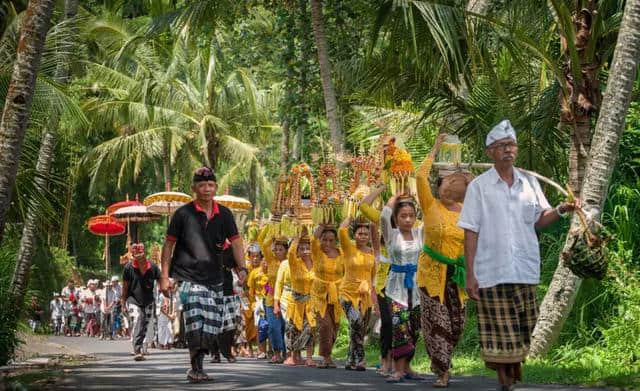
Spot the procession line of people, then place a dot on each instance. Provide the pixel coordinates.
(476, 240)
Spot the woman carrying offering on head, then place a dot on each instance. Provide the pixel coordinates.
(357, 293)
(441, 266)
(327, 271)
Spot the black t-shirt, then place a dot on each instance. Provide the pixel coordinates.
(140, 287)
(200, 243)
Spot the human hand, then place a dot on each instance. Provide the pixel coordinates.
(165, 286)
(571, 206)
(276, 309)
(472, 287)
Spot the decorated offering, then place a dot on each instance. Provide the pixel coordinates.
(328, 210)
(299, 205)
(450, 150)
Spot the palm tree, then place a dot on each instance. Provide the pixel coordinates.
(603, 156)
(329, 92)
(173, 104)
(15, 116)
(27, 244)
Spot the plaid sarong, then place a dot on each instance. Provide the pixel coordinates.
(231, 312)
(203, 309)
(507, 314)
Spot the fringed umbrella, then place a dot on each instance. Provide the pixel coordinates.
(105, 225)
(236, 204)
(135, 214)
(166, 202)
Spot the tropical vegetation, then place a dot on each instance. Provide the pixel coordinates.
(105, 100)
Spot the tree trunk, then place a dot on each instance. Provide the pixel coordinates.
(330, 100)
(578, 107)
(20, 279)
(562, 290)
(15, 116)
(45, 157)
(285, 146)
(166, 164)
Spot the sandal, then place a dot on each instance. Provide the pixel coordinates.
(310, 363)
(349, 367)
(215, 360)
(231, 360)
(323, 365)
(204, 377)
(361, 368)
(395, 379)
(442, 381)
(414, 377)
(262, 356)
(192, 377)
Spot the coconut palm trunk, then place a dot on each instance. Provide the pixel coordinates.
(45, 157)
(15, 116)
(330, 100)
(603, 156)
(579, 103)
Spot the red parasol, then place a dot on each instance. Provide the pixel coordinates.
(105, 225)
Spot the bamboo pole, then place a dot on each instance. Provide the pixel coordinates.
(486, 166)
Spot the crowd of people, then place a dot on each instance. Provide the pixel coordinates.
(476, 239)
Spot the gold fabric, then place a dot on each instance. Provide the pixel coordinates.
(301, 280)
(359, 271)
(382, 269)
(441, 233)
(265, 239)
(327, 274)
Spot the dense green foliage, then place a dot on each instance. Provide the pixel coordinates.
(162, 86)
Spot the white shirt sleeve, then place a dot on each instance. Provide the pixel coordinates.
(385, 224)
(541, 200)
(471, 215)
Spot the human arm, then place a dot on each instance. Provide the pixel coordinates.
(167, 253)
(277, 295)
(470, 248)
(237, 247)
(425, 197)
(346, 243)
(551, 215)
(375, 193)
(123, 298)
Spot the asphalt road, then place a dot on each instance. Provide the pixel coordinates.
(166, 370)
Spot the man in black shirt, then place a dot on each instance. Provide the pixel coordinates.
(198, 235)
(137, 295)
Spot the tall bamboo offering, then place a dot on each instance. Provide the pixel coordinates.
(367, 167)
(298, 207)
(328, 209)
(280, 199)
(401, 179)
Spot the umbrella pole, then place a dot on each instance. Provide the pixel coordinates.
(106, 254)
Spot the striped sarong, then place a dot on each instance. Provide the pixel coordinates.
(203, 311)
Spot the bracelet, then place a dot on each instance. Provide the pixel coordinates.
(561, 214)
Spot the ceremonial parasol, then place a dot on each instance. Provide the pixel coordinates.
(122, 204)
(237, 204)
(166, 202)
(106, 226)
(135, 214)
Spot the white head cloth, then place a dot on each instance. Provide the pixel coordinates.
(500, 131)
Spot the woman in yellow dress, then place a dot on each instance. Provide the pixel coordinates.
(357, 292)
(301, 321)
(274, 251)
(257, 283)
(441, 265)
(282, 300)
(327, 270)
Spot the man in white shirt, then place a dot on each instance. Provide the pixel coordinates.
(69, 294)
(56, 307)
(502, 209)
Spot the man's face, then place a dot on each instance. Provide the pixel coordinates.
(70, 285)
(503, 151)
(205, 190)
